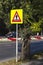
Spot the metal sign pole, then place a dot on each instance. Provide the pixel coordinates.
(16, 42)
(16, 17)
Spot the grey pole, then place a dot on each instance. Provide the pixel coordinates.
(16, 42)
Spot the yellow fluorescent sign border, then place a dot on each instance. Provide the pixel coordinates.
(20, 13)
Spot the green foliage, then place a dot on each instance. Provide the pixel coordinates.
(41, 24)
(37, 9)
(35, 27)
(32, 12)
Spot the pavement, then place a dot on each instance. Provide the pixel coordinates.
(19, 39)
(8, 39)
(36, 37)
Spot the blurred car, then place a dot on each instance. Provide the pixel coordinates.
(38, 37)
(11, 34)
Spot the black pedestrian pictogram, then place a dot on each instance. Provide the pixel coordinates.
(16, 18)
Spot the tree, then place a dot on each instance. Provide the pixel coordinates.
(14, 4)
(3, 29)
(35, 27)
(32, 10)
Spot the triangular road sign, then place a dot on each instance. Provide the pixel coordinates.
(16, 18)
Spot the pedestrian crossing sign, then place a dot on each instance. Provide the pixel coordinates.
(16, 16)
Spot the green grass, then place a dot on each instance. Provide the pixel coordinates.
(13, 62)
(10, 62)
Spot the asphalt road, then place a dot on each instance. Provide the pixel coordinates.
(7, 50)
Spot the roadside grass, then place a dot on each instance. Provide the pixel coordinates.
(37, 56)
(11, 62)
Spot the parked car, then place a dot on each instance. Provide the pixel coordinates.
(11, 34)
